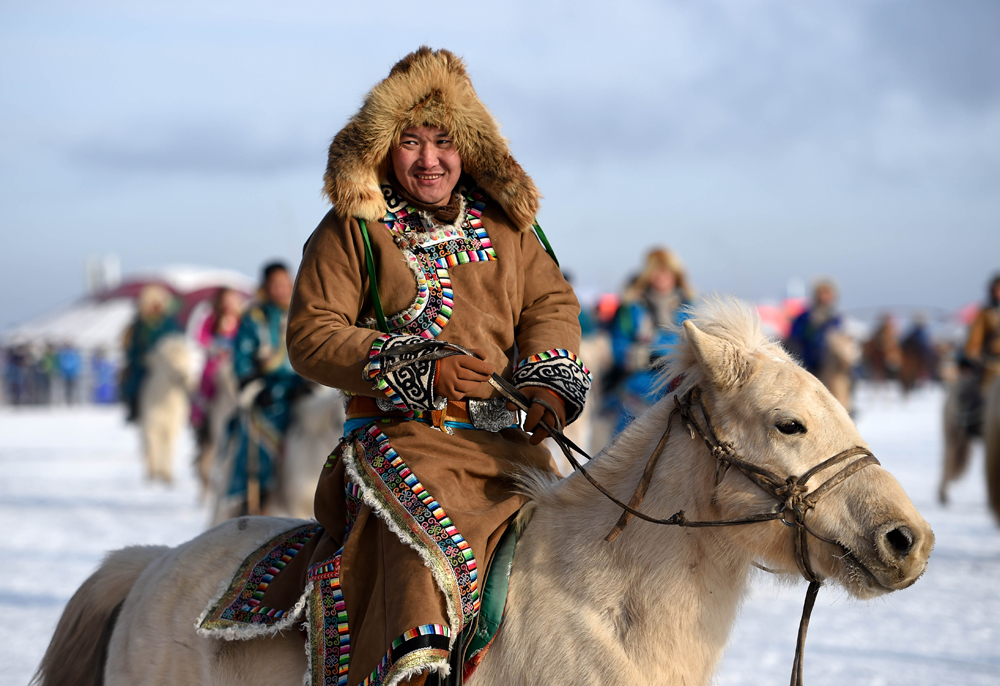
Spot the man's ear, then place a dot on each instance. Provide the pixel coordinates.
(723, 363)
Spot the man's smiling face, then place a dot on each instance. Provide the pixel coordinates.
(426, 164)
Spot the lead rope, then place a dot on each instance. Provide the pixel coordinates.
(790, 492)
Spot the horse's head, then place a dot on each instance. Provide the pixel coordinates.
(779, 417)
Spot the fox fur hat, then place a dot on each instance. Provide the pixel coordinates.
(427, 87)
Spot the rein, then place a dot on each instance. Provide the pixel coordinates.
(793, 500)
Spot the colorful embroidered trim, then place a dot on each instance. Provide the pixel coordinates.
(240, 605)
(329, 638)
(430, 251)
(562, 372)
(553, 354)
(375, 367)
(353, 505)
(415, 510)
(422, 645)
(408, 388)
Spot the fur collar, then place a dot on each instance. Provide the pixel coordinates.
(425, 87)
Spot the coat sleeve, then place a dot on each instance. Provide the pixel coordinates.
(977, 337)
(325, 343)
(548, 331)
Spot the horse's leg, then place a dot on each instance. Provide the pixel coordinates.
(161, 440)
(149, 447)
(991, 441)
(171, 430)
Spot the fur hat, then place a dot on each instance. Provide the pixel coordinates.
(427, 87)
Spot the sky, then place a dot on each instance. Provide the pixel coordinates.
(762, 140)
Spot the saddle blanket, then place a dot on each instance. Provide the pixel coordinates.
(238, 613)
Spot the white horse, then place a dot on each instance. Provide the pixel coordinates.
(317, 425)
(654, 606)
(315, 429)
(164, 403)
(220, 410)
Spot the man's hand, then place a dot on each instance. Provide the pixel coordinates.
(459, 375)
(536, 411)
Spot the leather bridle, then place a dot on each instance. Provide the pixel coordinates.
(793, 499)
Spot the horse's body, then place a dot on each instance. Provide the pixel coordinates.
(654, 606)
(958, 437)
(590, 431)
(843, 353)
(316, 427)
(164, 403)
(991, 441)
(220, 410)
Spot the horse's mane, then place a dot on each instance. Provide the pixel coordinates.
(723, 316)
(727, 318)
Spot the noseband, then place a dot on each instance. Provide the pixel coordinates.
(793, 499)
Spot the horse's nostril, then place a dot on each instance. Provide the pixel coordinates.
(901, 540)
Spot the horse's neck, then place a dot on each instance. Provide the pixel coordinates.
(666, 596)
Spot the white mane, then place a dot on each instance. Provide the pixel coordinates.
(729, 319)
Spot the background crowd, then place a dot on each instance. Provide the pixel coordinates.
(631, 327)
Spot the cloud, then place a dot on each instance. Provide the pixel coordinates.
(944, 51)
(197, 149)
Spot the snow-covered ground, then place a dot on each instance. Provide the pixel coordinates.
(71, 488)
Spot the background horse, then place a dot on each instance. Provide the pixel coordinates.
(220, 410)
(315, 429)
(964, 422)
(654, 606)
(842, 354)
(991, 441)
(164, 403)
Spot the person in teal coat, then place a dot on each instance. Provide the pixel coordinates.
(154, 320)
(260, 358)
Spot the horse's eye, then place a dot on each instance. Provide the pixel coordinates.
(790, 426)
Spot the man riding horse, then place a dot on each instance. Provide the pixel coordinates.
(430, 239)
(983, 344)
(980, 363)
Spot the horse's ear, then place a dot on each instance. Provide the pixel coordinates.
(724, 364)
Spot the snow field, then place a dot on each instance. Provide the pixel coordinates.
(72, 488)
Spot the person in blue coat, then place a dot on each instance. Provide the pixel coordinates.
(656, 299)
(70, 364)
(260, 359)
(808, 337)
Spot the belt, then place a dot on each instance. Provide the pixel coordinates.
(490, 414)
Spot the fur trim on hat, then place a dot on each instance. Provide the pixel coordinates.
(426, 87)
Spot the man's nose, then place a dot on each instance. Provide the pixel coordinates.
(428, 156)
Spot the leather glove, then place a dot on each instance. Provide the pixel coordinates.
(460, 375)
(537, 410)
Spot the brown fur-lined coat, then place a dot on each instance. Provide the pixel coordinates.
(509, 299)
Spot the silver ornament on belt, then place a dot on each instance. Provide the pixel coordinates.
(491, 414)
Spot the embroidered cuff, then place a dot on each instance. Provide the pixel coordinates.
(409, 387)
(560, 371)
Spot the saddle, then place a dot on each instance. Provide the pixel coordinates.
(270, 593)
